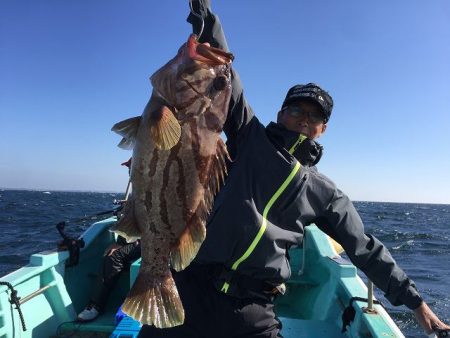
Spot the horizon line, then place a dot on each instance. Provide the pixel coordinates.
(115, 192)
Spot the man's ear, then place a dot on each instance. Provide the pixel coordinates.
(324, 127)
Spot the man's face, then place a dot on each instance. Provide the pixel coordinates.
(303, 117)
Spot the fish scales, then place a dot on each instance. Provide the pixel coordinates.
(178, 165)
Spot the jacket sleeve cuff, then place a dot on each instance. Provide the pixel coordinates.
(405, 294)
(412, 298)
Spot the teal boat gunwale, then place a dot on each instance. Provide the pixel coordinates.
(43, 284)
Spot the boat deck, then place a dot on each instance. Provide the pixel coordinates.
(104, 324)
(103, 327)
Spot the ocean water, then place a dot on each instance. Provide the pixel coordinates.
(417, 235)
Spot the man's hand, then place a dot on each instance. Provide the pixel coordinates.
(201, 6)
(428, 320)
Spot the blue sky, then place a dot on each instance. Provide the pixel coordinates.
(69, 70)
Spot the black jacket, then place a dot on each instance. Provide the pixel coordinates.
(268, 198)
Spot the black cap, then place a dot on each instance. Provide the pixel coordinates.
(311, 92)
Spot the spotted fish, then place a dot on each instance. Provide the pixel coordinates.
(178, 165)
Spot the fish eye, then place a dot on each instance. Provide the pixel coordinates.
(220, 82)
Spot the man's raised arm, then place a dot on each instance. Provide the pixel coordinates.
(239, 112)
(212, 30)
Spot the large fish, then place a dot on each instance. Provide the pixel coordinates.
(178, 165)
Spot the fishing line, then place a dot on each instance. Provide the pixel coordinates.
(199, 17)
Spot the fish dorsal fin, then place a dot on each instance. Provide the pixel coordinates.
(165, 130)
(128, 130)
(194, 234)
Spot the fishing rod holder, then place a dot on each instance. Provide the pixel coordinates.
(369, 309)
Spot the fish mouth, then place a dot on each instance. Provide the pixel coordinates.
(191, 57)
(203, 52)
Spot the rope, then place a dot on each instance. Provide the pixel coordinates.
(15, 301)
(349, 312)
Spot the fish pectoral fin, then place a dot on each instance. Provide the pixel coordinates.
(165, 130)
(127, 225)
(128, 130)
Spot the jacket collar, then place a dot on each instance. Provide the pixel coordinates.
(282, 136)
(306, 151)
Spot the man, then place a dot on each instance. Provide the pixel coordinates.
(272, 192)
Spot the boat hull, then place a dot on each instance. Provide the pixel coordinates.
(320, 289)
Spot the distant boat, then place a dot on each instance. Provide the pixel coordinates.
(46, 192)
(323, 288)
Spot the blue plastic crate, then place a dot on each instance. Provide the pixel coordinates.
(127, 328)
(119, 316)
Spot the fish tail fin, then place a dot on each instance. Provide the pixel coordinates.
(165, 129)
(127, 225)
(188, 244)
(154, 301)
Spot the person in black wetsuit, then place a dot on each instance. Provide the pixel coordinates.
(272, 192)
(118, 258)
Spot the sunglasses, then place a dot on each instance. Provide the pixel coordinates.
(297, 111)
